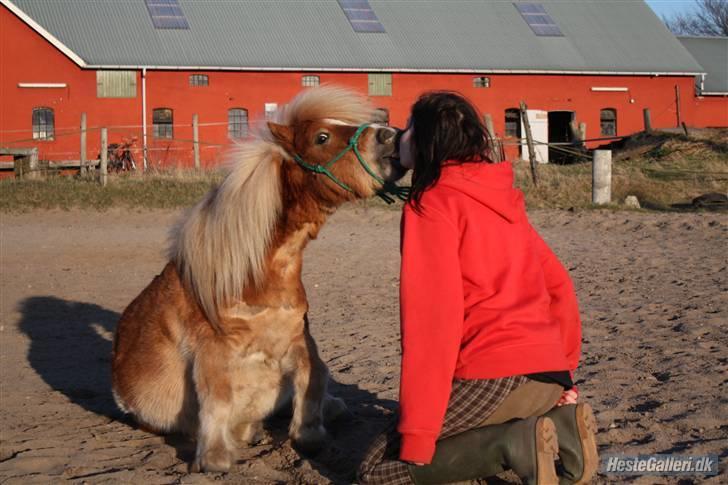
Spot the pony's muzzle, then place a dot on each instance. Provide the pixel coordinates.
(386, 135)
(389, 138)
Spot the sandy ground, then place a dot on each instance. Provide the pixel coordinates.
(653, 291)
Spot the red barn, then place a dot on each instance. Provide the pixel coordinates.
(712, 87)
(143, 68)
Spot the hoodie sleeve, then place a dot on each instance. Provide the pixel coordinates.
(564, 307)
(432, 307)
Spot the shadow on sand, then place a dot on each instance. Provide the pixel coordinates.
(70, 349)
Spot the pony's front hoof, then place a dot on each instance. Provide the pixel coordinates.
(212, 461)
(309, 441)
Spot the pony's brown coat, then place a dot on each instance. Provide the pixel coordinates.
(219, 340)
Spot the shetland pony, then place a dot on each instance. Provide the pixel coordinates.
(220, 339)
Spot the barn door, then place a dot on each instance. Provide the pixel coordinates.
(539, 121)
(560, 132)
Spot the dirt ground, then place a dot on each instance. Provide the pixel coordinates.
(652, 286)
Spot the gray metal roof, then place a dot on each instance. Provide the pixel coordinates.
(712, 54)
(450, 35)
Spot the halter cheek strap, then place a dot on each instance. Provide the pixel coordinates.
(400, 192)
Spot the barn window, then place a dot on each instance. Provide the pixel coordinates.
(237, 123)
(310, 81)
(270, 110)
(380, 84)
(381, 116)
(481, 82)
(162, 122)
(43, 124)
(513, 122)
(116, 84)
(608, 122)
(199, 80)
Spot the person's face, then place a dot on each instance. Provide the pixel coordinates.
(406, 155)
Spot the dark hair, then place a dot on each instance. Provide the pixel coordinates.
(446, 127)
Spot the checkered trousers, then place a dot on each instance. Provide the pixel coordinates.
(472, 401)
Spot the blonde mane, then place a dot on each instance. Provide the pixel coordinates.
(325, 102)
(220, 247)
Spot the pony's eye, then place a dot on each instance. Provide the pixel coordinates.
(322, 138)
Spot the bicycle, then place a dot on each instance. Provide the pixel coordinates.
(120, 158)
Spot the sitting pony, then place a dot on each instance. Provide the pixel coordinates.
(220, 339)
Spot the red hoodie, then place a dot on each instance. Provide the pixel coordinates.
(482, 296)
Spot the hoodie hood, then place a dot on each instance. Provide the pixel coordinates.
(491, 184)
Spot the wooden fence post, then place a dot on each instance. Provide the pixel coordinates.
(648, 120)
(602, 177)
(83, 169)
(495, 149)
(196, 140)
(582, 130)
(104, 157)
(529, 140)
(677, 105)
(19, 167)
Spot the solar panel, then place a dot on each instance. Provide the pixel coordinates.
(547, 30)
(361, 16)
(530, 8)
(540, 22)
(166, 14)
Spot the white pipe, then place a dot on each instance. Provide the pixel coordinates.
(610, 89)
(42, 85)
(144, 117)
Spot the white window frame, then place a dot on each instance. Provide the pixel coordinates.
(238, 125)
(163, 131)
(199, 80)
(44, 131)
(310, 81)
(481, 82)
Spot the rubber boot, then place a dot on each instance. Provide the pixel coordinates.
(576, 429)
(527, 446)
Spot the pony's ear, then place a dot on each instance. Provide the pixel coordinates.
(283, 135)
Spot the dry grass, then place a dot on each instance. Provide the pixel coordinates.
(660, 169)
(157, 190)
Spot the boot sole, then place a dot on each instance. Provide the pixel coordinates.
(547, 448)
(586, 423)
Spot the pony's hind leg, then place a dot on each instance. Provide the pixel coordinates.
(215, 441)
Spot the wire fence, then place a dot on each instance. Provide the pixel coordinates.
(177, 145)
(63, 135)
(180, 148)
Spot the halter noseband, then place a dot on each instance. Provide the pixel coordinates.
(387, 187)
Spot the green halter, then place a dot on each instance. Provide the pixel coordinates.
(387, 187)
